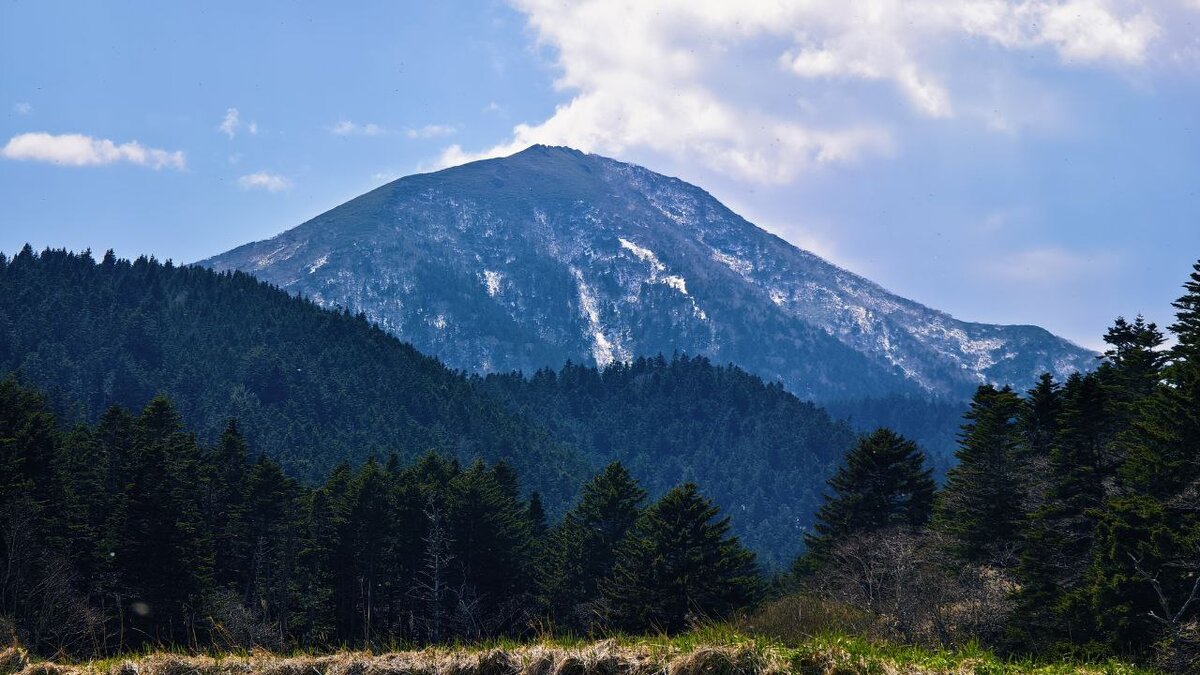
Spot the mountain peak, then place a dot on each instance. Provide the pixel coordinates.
(552, 254)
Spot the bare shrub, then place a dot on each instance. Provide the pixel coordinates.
(1179, 652)
(236, 626)
(911, 591)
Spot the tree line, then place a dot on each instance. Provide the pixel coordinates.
(130, 533)
(1070, 524)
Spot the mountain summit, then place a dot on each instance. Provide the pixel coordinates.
(552, 255)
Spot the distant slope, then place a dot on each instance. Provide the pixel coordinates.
(553, 255)
(314, 387)
(311, 387)
(756, 449)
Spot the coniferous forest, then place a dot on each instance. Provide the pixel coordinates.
(312, 388)
(1069, 523)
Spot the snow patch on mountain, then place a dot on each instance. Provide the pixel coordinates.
(742, 267)
(318, 263)
(643, 254)
(604, 351)
(492, 280)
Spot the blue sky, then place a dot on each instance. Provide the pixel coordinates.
(1019, 162)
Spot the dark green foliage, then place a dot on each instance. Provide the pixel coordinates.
(678, 565)
(883, 483)
(753, 446)
(981, 508)
(1148, 538)
(311, 388)
(308, 386)
(130, 534)
(582, 550)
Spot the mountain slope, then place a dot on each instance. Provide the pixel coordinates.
(551, 254)
(755, 448)
(310, 387)
(313, 387)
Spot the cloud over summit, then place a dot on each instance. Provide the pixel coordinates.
(763, 91)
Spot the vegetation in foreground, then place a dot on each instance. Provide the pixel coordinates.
(1069, 526)
(717, 650)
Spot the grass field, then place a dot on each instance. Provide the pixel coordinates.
(714, 651)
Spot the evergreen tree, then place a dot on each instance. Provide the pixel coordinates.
(883, 483)
(226, 510)
(582, 549)
(981, 508)
(492, 546)
(679, 565)
(1148, 537)
(1059, 534)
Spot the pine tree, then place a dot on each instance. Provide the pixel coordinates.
(883, 483)
(1148, 536)
(1059, 535)
(679, 565)
(226, 510)
(492, 546)
(981, 508)
(582, 549)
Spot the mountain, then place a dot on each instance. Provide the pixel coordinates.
(312, 388)
(552, 255)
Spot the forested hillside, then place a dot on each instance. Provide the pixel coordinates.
(759, 451)
(310, 387)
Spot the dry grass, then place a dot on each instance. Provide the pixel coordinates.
(706, 653)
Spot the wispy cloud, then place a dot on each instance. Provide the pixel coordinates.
(23, 108)
(348, 128)
(81, 150)
(262, 180)
(232, 123)
(1050, 265)
(431, 131)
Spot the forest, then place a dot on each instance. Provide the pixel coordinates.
(1068, 526)
(130, 533)
(311, 388)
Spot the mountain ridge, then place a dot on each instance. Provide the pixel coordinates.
(551, 255)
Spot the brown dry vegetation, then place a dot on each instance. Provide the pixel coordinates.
(822, 656)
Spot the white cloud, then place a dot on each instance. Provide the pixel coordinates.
(704, 81)
(347, 128)
(431, 131)
(23, 108)
(261, 180)
(81, 150)
(232, 123)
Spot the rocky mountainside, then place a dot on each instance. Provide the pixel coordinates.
(552, 255)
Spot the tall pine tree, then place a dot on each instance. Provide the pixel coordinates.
(883, 483)
(679, 565)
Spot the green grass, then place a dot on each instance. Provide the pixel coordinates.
(719, 649)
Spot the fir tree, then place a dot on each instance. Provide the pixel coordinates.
(1148, 537)
(582, 549)
(883, 483)
(981, 507)
(679, 565)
